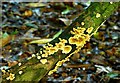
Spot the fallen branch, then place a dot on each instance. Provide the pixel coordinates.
(36, 68)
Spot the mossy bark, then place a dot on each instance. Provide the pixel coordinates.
(33, 70)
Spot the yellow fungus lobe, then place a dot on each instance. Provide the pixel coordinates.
(52, 50)
(81, 29)
(40, 52)
(63, 40)
(59, 63)
(38, 57)
(89, 30)
(3, 71)
(19, 64)
(11, 77)
(67, 49)
(98, 15)
(37, 54)
(81, 40)
(33, 55)
(50, 72)
(87, 37)
(49, 44)
(43, 61)
(73, 40)
(82, 23)
(20, 72)
(59, 45)
(45, 55)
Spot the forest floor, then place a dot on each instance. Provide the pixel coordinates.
(22, 23)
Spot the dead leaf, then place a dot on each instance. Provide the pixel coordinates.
(28, 13)
(36, 4)
(41, 41)
(78, 65)
(99, 60)
(66, 21)
(6, 40)
(13, 63)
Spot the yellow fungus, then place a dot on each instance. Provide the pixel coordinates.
(43, 61)
(89, 30)
(63, 40)
(59, 45)
(59, 63)
(19, 64)
(55, 69)
(46, 47)
(37, 54)
(52, 50)
(78, 31)
(38, 57)
(82, 23)
(81, 29)
(50, 72)
(33, 55)
(20, 72)
(44, 55)
(73, 40)
(40, 52)
(29, 58)
(81, 41)
(87, 37)
(3, 71)
(67, 49)
(98, 15)
(77, 40)
(11, 76)
(49, 44)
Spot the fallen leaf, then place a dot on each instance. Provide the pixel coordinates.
(6, 40)
(41, 41)
(66, 21)
(36, 4)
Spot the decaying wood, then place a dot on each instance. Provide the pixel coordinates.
(33, 70)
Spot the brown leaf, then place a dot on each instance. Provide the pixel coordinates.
(13, 63)
(75, 57)
(78, 65)
(99, 60)
(6, 40)
(28, 13)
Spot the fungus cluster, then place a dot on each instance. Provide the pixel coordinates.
(79, 38)
(49, 49)
(11, 76)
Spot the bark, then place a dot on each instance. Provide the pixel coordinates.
(33, 70)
